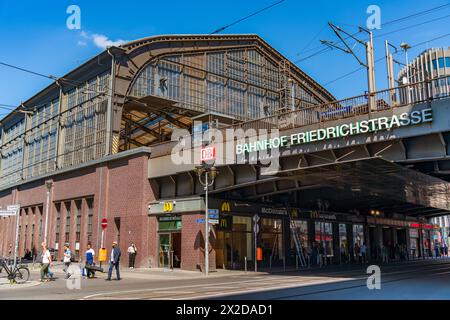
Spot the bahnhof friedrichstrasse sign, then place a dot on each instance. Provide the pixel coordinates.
(343, 130)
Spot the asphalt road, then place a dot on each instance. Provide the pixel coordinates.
(428, 279)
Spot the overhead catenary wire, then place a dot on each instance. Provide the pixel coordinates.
(246, 17)
(382, 58)
(324, 50)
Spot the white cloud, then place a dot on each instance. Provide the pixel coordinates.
(103, 42)
(99, 40)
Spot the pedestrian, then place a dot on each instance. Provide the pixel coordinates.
(132, 252)
(321, 255)
(385, 253)
(445, 249)
(67, 260)
(114, 261)
(309, 254)
(363, 253)
(343, 253)
(46, 262)
(314, 253)
(356, 253)
(90, 254)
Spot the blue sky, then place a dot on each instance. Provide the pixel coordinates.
(34, 34)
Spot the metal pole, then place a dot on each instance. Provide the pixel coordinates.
(17, 238)
(206, 227)
(47, 206)
(408, 96)
(245, 264)
(256, 259)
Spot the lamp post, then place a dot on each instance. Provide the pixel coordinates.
(210, 174)
(405, 48)
(49, 185)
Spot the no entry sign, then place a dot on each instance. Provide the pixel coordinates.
(104, 223)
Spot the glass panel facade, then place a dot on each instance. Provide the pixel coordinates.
(242, 83)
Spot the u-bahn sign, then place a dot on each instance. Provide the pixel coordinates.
(344, 130)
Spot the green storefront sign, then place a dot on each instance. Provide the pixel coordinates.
(169, 223)
(343, 130)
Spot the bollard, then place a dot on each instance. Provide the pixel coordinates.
(270, 263)
(245, 263)
(296, 262)
(284, 264)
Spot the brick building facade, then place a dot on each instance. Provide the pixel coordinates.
(117, 189)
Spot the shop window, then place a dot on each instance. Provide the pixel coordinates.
(272, 239)
(301, 227)
(324, 235)
(358, 234)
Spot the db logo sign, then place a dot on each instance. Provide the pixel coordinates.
(208, 154)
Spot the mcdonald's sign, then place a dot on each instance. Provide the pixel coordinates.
(168, 207)
(225, 207)
(315, 215)
(225, 223)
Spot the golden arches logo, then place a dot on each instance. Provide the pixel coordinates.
(223, 223)
(315, 215)
(225, 207)
(168, 206)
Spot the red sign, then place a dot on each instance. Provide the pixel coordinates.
(104, 223)
(427, 226)
(414, 225)
(208, 154)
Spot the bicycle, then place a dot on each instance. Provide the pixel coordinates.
(20, 274)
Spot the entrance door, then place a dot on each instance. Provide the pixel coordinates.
(164, 250)
(176, 248)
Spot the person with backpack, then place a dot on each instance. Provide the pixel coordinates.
(67, 260)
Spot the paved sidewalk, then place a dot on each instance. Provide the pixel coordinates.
(5, 285)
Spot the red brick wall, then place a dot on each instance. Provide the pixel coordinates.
(120, 189)
(193, 244)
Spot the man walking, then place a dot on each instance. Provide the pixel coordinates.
(67, 260)
(90, 254)
(114, 261)
(132, 251)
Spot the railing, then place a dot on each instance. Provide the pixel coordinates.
(382, 100)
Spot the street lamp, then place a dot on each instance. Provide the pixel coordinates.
(210, 174)
(405, 48)
(49, 185)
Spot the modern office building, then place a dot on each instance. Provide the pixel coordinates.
(432, 65)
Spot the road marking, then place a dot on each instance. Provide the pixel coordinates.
(168, 288)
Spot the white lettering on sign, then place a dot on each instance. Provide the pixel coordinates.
(274, 211)
(341, 131)
(208, 154)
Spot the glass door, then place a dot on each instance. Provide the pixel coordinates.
(164, 250)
